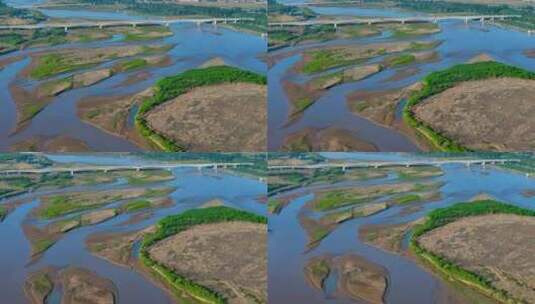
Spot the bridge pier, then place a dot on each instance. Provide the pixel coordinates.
(72, 172)
(100, 26)
(335, 26)
(465, 20)
(66, 29)
(133, 25)
(402, 21)
(167, 24)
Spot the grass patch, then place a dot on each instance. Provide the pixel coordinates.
(274, 206)
(132, 64)
(438, 82)
(338, 198)
(52, 64)
(171, 87)
(3, 213)
(400, 60)
(174, 224)
(408, 198)
(444, 216)
(136, 205)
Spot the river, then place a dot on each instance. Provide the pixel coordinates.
(408, 282)
(460, 43)
(193, 188)
(192, 46)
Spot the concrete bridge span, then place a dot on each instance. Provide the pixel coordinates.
(370, 21)
(106, 169)
(382, 164)
(133, 23)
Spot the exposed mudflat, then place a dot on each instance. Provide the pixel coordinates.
(493, 114)
(329, 139)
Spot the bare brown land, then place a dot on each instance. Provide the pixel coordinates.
(379, 106)
(39, 285)
(230, 258)
(358, 279)
(361, 279)
(116, 247)
(83, 286)
(498, 247)
(318, 229)
(316, 270)
(530, 53)
(493, 114)
(61, 143)
(386, 237)
(403, 74)
(329, 139)
(223, 117)
(111, 114)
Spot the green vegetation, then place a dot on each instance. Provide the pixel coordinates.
(402, 59)
(444, 216)
(11, 185)
(301, 105)
(329, 58)
(408, 198)
(438, 82)
(338, 198)
(274, 205)
(136, 205)
(52, 64)
(173, 86)
(42, 283)
(64, 204)
(40, 246)
(133, 64)
(30, 16)
(423, 46)
(3, 213)
(174, 224)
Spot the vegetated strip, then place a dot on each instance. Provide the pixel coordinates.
(444, 216)
(174, 224)
(173, 86)
(438, 82)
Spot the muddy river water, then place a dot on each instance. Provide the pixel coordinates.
(192, 46)
(408, 282)
(193, 188)
(460, 43)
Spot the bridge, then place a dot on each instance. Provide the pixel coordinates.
(329, 3)
(106, 169)
(370, 21)
(381, 164)
(133, 23)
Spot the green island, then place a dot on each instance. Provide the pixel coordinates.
(444, 216)
(174, 224)
(438, 82)
(173, 86)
